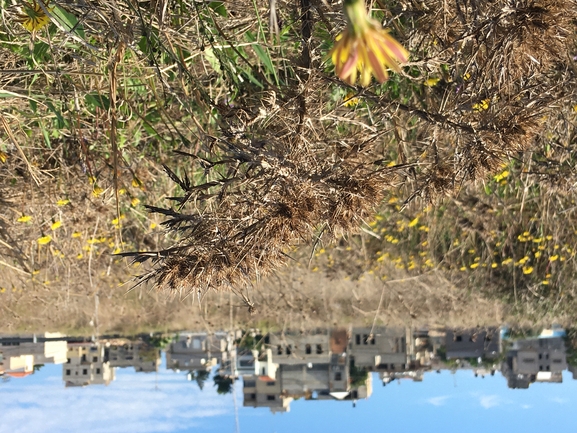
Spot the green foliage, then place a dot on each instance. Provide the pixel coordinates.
(357, 376)
(223, 384)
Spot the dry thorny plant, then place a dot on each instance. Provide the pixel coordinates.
(284, 171)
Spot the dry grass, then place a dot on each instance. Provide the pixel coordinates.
(272, 156)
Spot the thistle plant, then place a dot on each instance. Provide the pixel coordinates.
(33, 17)
(365, 47)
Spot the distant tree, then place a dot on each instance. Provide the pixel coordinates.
(200, 376)
(223, 384)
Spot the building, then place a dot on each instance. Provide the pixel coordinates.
(86, 365)
(296, 348)
(383, 350)
(141, 356)
(263, 391)
(472, 343)
(193, 351)
(21, 353)
(535, 360)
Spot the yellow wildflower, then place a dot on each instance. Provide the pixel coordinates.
(474, 265)
(134, 202)
(538, 254)
(351, 100)
(44, 240)
(76, 234)
(365, 47)
(506, 261)
(527, 270)
(545, 282)
(55, 225)
(97, 191)
(431, 82)
(494, 265)
(553, 258)
(501, 176)
(3, 157)
(414, 222)
(482, 105)
(33, 17)
(24, 219)
(79, 256)
(63, 202)
(153, 226)
(463, 268)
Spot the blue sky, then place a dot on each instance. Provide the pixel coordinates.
(167, 402)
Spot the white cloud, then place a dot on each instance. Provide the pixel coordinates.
(559, 400)
(134, 402)
(489, 401)
(438, 401)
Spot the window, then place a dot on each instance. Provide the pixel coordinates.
(83, 358)
(289, 349)
(270, 397)
(458, 338)
(271, 383)
(358, 339)
(338, 376)
(98, 371)
(279, 350)
(84, 371)
(249, 383)
(365, 339)
(373, 340)
(528, 360)
(319, 349)
(68, 361)
(308, 349)
(95, 359)
(67, 372)
(540, 356)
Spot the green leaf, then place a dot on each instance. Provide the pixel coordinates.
(60, 120)
(218, 8)
(96, 100)
(40, 52)
(69, 21)
(263, 56)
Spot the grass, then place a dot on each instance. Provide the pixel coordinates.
(269, 159)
